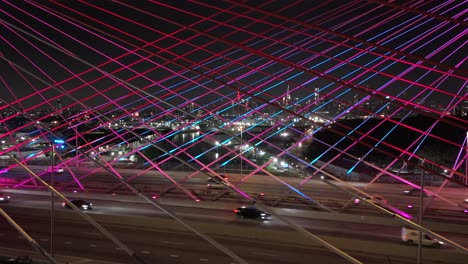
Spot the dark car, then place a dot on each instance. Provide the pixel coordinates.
(82, 204)
(251, 212)
(414, 192)
(4, 198)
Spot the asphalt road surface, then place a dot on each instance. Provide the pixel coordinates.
(157, 245)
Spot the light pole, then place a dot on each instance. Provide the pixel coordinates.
(59, 143)
(241, 163)
(52, 161)
(421, 197)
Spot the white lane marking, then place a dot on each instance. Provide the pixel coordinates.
(265, 254)
(118, 248)
(145, 252)
(68, 242)
(174, 256)
(206, 260)
(173, 243)
(92, 245)
(44, 239)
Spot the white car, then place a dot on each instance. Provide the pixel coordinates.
(411, 236)
(57, 169)
(4, 198)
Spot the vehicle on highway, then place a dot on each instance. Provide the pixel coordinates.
(4, 198)
(466, 200)
(56, 169)
(411, 236)
(82, 204)
(217, 183)
(414, 192)
(375, 197)
(325, 177)
(251, 212)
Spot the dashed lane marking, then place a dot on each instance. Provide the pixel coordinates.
(265, 254)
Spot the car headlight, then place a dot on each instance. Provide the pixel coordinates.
(262, 214)
(2, 198)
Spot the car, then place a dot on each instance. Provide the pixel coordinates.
(414, 192)
(466, 200)
(82, 204)
(377, 198)
(217, 183)
(56, 169)
(251, 212)
(411, 236)
(4, 198)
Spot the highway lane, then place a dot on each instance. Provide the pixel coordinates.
(79, 239)
(260, 184)
(376, 233)
(125, 205)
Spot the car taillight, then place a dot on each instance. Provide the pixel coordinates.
(236, 211)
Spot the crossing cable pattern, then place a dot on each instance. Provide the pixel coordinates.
(239, 75)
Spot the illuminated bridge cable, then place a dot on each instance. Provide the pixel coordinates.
(199, 233)
(375, 203)
(77, 210)
(397, 101)
(136, 191)
(31, 241)
(462, 72)
(204, 166)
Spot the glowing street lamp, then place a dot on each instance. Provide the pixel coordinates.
(57, 143)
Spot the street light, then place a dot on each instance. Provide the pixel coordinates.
(241, 150)
(421, 197)
(57, 143)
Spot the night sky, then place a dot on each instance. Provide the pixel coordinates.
(174, 52)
